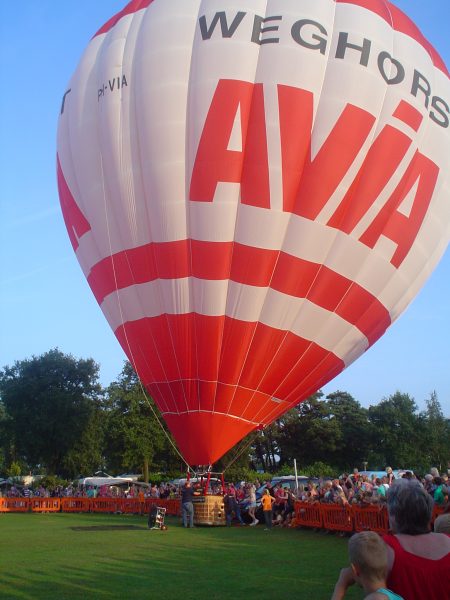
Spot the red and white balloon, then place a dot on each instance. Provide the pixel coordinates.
(255, 190)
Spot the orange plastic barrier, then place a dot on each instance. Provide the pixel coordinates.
(16, 505)
(370, 518)
(75, 504)
(172, 505)
(325, 516)
(108, 505)
(132, 506)
(45, 504)
(308, 514)
(337, 517)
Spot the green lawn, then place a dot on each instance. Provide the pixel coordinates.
(43, 556)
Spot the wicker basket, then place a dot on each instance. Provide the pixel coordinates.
(209, 510)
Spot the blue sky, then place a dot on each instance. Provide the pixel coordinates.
(45, 301)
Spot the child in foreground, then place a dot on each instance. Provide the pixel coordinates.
(368, 568)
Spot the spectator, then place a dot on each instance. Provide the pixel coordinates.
(267, 502)
(240, 493)
(418, 559)
(231, 506)
(187, 506)
(385, 481)
(277, 520)
(366, 485)
(390, 475)
(228, 508)
(288, 520)
(271, 488)
(326, 492)
(290, 505)
(355, 476)
(341, 498)
(164, 491)
(442, 524)
(280, 497)
(334, 492)
(439, 493)
(348, 488)
(428, 483)
(380, 490)
(368, 568)
(91, 492)
(141, 498)
(251, 491)
(313, 493)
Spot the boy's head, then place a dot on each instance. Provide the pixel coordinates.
(368, 556)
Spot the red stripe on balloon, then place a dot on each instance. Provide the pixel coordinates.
(76, 223)
(250, 266)
(400, 22)
(207, 403)
(397, 19)
(408, 114)
(129, 9)
(193, 362)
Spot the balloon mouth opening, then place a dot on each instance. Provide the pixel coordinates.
(204, 437)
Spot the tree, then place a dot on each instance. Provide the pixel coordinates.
(50, 401)
(308, 434)
(436, 434)
(352, 447)
(238, 460)
(396, 432)
(266, 448)
(86, 455)
(5, 443)
(134, 437)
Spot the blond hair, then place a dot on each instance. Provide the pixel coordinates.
(367, 551)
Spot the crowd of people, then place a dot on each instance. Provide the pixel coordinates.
(242, 500)
(133, 490)
(358, 488)
(412, 562)
(349, 489)
(277, 508)
(355, 488)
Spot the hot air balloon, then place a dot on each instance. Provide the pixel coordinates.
(255, 191)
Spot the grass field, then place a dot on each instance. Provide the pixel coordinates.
(81, 556)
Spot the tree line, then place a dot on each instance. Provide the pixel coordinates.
(56, 418)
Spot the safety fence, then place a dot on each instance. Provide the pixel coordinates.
(45, 504)
(93, 505)
(336, 517)
(333, 517)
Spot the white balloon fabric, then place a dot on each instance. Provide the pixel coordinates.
(255, 190)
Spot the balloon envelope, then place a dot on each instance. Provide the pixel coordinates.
(255, 191)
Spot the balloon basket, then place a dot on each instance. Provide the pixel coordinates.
(209, 510)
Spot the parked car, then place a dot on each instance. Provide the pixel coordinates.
(398, 473)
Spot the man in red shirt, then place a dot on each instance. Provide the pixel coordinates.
(281, 497)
